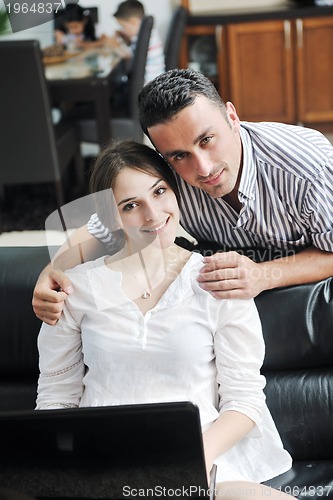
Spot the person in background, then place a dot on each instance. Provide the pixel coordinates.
(129, 15)
(139, 329)
(76, 30)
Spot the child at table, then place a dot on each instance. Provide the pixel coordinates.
(76, 30)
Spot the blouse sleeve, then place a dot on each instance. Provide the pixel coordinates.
(61, 365)
(239, 349)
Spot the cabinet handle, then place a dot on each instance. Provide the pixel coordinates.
(218, 37)
(299, 31)
(287, 35)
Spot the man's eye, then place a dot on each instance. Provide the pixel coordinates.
(205, 140)
(180, 156)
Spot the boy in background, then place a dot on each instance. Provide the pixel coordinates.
(129, 15)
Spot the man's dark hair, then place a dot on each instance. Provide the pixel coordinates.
(172, 91)
(130, 8)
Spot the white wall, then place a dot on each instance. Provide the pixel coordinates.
(160, 9)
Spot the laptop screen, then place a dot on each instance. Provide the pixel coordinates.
(149, 450)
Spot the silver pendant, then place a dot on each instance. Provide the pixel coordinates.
(146, 294)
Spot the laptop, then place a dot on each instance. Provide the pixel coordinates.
(147, 451)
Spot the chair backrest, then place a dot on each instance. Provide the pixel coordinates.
(138, 66)
(174, 37)
(27, 140)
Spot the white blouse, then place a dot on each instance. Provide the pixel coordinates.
(190, 347)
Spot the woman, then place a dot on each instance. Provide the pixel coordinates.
(139, 329)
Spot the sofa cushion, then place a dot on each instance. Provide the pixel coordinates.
(19, 270)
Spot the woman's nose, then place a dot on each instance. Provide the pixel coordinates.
(150, 212)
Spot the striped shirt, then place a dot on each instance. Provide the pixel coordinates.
(286, 189)
(155, 63)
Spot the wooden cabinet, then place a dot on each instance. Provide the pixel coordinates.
(204, 48)
(314, 90)
(261, 70)
(274, 70)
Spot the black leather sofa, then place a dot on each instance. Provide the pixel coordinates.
(298, 330)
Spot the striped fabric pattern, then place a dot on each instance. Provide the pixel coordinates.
(155, 64)
(286, 190)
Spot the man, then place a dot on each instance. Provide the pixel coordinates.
(244, 186)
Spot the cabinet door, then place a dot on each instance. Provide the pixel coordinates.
(261, 66)
(203, 48)
(315, 69)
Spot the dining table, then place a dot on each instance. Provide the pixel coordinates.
(84, 76)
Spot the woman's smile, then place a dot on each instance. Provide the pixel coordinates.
(147, 207)
(158, 228)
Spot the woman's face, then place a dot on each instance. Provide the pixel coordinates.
(147, 207)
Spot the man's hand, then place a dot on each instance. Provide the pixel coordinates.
(230, 275)
(51, 290)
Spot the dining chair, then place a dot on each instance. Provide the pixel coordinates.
(174, 37)
(124, 123)
(32, 149)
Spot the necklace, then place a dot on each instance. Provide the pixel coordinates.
(147, 293)
(169, 271)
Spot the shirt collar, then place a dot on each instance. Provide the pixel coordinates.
(249, 171)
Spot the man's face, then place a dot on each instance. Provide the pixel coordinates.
(202, 145)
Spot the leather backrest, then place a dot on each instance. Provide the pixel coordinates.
(298, 326)
(138, 65)
(19, 327)
(19, 270)
(174, 37)
(27, 141)
(298, 330)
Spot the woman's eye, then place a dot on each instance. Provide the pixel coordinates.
(205, 140)
(129, 207)
(160, 190)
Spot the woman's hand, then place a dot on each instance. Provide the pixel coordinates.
(227, 430)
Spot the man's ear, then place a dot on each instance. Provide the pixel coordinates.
(232, 115)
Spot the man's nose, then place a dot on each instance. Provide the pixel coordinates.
(202, 165)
